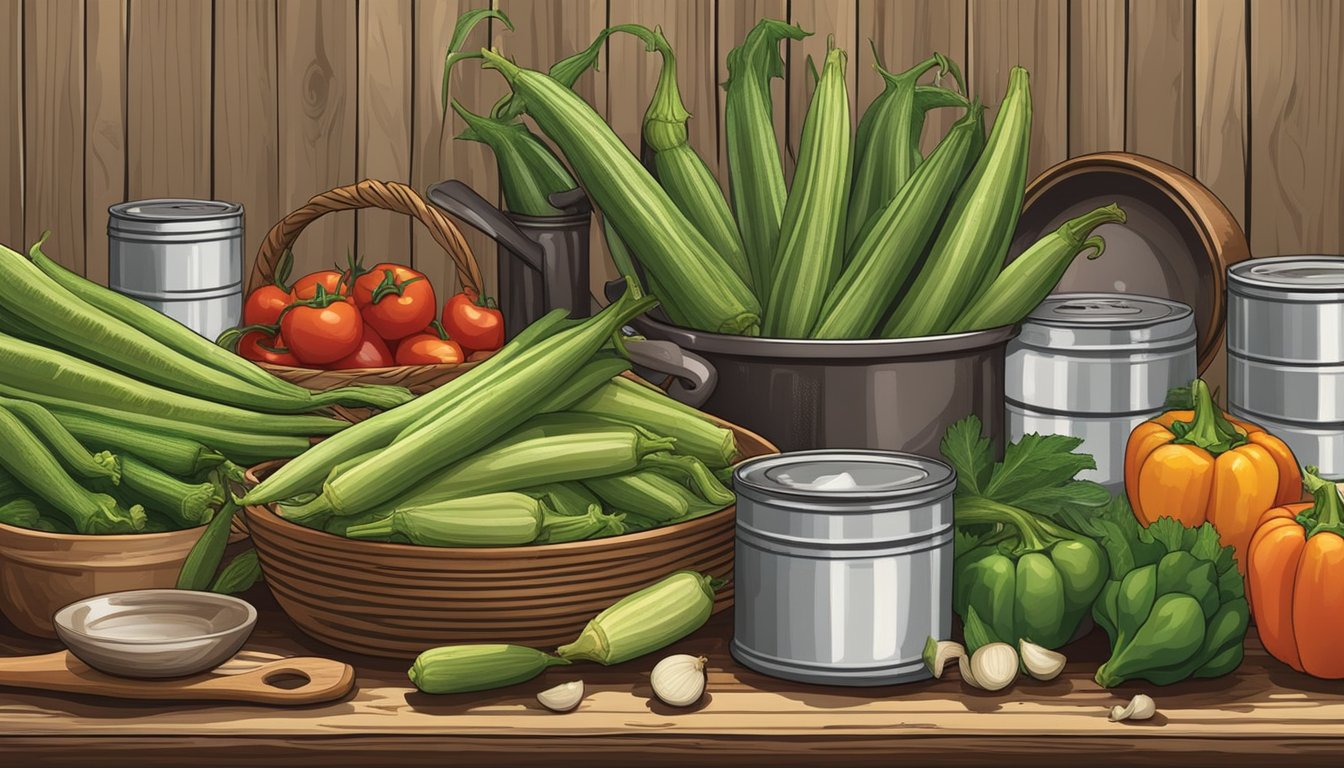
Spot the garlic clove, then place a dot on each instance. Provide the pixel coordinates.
(994, 666)
(964, 666)
(937, 653)
(562, 698)
(679, 680)
(1041, 663)
(1141, 707)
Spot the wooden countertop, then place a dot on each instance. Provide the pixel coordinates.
(1264, 712)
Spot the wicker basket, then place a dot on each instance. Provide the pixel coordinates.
(396, 600)
(388, 196)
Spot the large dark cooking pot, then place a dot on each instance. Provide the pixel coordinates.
(894, 394)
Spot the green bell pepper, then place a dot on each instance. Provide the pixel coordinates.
(1030, 580)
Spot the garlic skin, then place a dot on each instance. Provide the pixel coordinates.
(562, 698)
(994, 666)
(967, 677)
(1041, 663)
(679, 680)
(1141, 707)
(937, 654)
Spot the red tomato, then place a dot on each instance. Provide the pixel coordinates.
(264, 305)
(428, 348)
(372, 353)
(396, 301)
(261, 347)
(475, 324)
(306, 287)
(323, 332)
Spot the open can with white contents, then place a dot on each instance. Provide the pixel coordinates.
(843, 565)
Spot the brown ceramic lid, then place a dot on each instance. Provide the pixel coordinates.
(1177, 242)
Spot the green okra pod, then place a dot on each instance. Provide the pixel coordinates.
(466, 668)
(646, 621)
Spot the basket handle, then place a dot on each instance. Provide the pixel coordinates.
(389, 196)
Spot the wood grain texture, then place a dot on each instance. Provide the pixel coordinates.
(247, 133)
(735, 20)
(545, 32)
(11, 123)
(1297, 119)
(168, 109)
(316, 62)
(435, 156)
(1260, 714)
(104, 126)
(53, 32)
(1159, 84)
(384, 123)
(823, 18)
(1028, 33)
(907, 32)
(1097, 34)
(1221, 115)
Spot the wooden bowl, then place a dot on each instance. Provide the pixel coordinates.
(40, 573)
(419, 379)
(397, 600)
(1177, 243)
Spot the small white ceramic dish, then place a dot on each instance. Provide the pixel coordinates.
(155, 633)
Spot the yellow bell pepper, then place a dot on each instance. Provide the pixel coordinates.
(1203, 465)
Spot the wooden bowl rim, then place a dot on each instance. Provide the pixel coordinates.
(266, 518)
(1202, 208)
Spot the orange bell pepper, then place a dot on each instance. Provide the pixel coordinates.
(1296, 564)
(1202, 465)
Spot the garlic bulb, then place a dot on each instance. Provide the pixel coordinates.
(937, 653)
(1041, 663)
(679, 680)
(562, 698)
(1141, 707)
(994, 666)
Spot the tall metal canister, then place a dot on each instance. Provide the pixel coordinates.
(843, 565)
(182, 257)
(1095, 366)
(1285, 353)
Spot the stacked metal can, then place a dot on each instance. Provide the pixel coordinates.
(1285, 353)
(184, 258)
(1095, 366)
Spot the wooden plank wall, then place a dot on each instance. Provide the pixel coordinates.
(270, 101)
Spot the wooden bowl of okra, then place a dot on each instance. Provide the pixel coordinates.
(395, 600)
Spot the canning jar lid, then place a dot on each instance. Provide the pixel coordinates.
(846, 475)
(1291, 274)
(1103, 321)
(174, 215)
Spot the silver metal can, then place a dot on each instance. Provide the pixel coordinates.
(1095, 366)
(1285, 353)
(841, 582)
(182, 257)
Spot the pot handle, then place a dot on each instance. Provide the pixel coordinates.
(693, 377)
(466, 204)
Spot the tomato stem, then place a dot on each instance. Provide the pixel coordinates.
(438, 328)
(1208, 429)
(390, 285)
(230, 337)
(280, 278)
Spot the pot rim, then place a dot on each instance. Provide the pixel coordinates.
(828, 349)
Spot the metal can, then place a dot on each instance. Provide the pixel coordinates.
(843, 565)
(1285, 353)
(1095, 366)
(182, 257)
